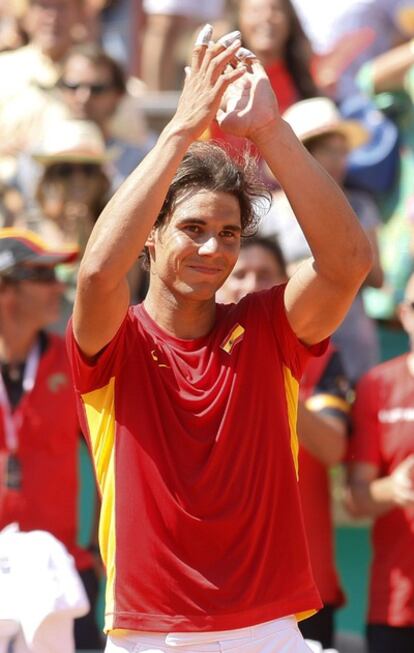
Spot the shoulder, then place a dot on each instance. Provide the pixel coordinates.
(388, 371)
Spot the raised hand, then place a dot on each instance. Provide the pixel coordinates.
(206, 81)
(402, 479)
(249, 104)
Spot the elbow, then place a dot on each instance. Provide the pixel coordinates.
(362, 260)
(93, 274)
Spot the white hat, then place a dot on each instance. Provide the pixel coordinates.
(72, 141)
(318, 116)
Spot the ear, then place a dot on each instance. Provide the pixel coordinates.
(150, 242)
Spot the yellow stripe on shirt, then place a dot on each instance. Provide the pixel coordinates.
(100, 414)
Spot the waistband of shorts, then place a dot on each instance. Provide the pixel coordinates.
(207, 640)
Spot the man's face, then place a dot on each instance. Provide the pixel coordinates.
(88, 90)
(265, 28)
(255, 270)
(49, 24)
(195, 250)
(35, 302)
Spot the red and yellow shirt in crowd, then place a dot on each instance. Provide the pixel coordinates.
(384, 436)
(48, 445)
(195, 451)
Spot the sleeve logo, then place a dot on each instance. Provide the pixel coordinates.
(230, 341)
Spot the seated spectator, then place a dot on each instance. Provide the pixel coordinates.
(381, 486)
(329, 138)
(322, 425)
(39, 430)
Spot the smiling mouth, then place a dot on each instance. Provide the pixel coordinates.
(205, 270)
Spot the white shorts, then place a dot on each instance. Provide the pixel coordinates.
(211, 10)
(278, 636)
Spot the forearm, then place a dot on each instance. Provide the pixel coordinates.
(124, 225)
(390, 68)
(370, 499)
(321, 208)
(322, 437)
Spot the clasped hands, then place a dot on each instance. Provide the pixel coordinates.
(225, 82)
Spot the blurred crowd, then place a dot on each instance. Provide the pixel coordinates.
(76, 76)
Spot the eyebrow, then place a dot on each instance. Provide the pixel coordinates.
(203, 223)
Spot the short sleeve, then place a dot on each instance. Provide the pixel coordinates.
(89, 374)
(364, 444)
(293, 352)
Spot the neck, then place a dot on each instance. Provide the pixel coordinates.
(181, 317)
(15, 344)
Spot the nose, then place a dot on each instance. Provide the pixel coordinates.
(209, 246)
(83, 94)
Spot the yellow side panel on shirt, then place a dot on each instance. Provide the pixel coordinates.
(292, 393)
(100, 414)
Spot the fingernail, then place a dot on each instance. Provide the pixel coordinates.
(244, 53)
(228, 39)
(204, 35)
(187, 70)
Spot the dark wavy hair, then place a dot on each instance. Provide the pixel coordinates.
(297, 54)
(211, 166)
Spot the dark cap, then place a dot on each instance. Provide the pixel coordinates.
(21, 248)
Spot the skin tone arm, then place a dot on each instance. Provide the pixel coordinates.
(375, 277)
(123, 228)
(370, 496)
(390, 68)
(323, 436)
(321, 291)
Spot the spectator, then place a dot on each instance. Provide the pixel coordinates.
(12, 36)
(329, 24)
(28, 71)
(271, 29)
(329, 138)
(381, 486)
(389, 79)
(39, 431)
(92, 87)
(322, 425)
(165, 23)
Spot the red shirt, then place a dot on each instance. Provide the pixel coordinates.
(195, 451)
(324, 390)
(48, 441)
(384, 436)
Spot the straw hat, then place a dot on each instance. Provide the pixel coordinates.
(318, 116)
(405, 18)
(73, 141)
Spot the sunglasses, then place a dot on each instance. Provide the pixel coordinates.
(36, 273)
(66, 170)
(94, 89)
